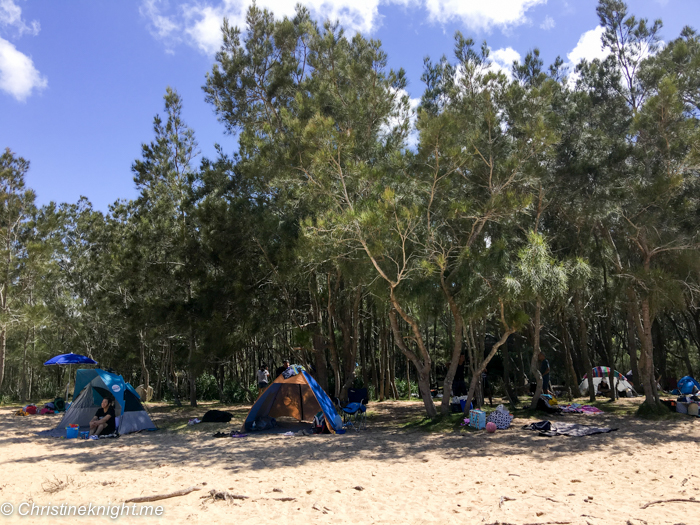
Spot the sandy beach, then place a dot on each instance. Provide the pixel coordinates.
(386, 474)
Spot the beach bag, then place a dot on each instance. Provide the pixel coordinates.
(30, 409)
(500, 417)
(59, 404)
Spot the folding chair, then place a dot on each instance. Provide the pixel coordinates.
(354, 414)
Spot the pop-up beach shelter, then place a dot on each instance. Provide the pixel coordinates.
(298, 396)
(91, 386)
(602, 373)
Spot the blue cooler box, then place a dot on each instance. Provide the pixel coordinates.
(477, 419)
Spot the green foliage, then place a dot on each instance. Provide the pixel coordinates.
(496, 198)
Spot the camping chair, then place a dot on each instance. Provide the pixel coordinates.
(358, 395)
(354, 413)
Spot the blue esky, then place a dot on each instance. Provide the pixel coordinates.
(80, 81)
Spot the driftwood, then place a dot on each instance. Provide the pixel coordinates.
(226, 496)
(538, 523)
(156, 497)
(503, 499)
(669, 501)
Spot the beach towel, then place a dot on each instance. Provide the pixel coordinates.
(548, 429)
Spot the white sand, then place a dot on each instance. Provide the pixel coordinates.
(512, 476)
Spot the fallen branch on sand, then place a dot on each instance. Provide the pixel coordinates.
(156, 497)
(223, 495)
(538, 523)
(669, 501)
(503, 499)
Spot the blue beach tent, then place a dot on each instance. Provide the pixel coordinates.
(686, 385)
(298, 396)
(91, 386)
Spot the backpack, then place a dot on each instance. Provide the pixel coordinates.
(217, 416)
(319, 424)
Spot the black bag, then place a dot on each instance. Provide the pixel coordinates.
(217, 416)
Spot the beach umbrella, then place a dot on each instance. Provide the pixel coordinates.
(70, 359)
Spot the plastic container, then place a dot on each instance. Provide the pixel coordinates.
(72, 431)
(340, 431)
(84, 434)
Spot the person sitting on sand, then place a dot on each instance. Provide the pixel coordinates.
(104, 422)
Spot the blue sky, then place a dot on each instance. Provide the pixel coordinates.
(80, 81)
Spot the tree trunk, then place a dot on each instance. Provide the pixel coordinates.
(351, 330)
(583, 342)
(24, 394)
(145, 376)
(659, 344)
(3, 348)
(191, 369)
(363, 354)
(534, 368)
(650, 391)
(510, 393)
(383, 343)
(476, 377)
(684, 347)
(408, 380)
(456, 348)
(320, 361)
(632, 347)
(422, 364)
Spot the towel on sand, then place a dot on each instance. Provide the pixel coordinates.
(545, 428)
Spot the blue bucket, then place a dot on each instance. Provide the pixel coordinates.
(72, 432)
(463, 403)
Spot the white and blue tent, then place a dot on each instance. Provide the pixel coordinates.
(298, 396)
(91, 386)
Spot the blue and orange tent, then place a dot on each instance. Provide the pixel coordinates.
(298, 396)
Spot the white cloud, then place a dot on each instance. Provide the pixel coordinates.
(18, 76)
(198, 22)
(11, 16)
(482, 14)
(502, 60)
(589, 47)
(162, 26)
(547, 23)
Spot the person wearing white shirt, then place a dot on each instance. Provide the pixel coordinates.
(263, 377)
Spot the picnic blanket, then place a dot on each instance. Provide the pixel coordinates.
(575, 408)
(546, 428)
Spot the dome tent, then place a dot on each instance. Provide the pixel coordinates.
(91, 386)
(298, 396)
(602, 373)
